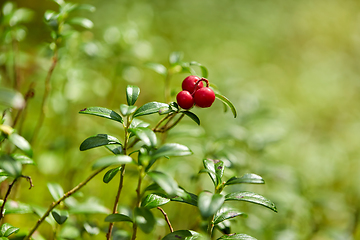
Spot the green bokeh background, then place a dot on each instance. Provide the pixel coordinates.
(291, 68)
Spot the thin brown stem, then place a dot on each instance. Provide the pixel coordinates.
(166, 219)
(29, 94)
(6, 197)
(45, 96)
(54, 204)
(121, 184)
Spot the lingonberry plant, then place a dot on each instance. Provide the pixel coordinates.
(138, 148)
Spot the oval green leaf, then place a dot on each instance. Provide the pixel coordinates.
(83, 22)
(149, 108)
(209, 203)
(12, 167)
(60, 216)
(145, 134)
(109, 175)
(117, 217)
(154, 200)
(192, 116)
(55, 190)
(236, 236)
(227, 103)
(246, 178)
(225, 214)
(132, 94)
(98, 141)
(251, 197)
(171, 150)
(144, 219)
(102, 112)
(21, 143)
(7, 229)
(167, 183)
(112, 160)
(127, 110)
(23, 159)
(182, 235)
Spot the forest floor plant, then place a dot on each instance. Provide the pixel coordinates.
(139, 147)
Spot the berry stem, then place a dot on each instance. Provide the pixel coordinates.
(198, 81)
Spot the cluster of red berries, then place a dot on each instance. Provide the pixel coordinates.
(194, 93)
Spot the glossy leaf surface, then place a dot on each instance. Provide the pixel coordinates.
(21, 143)
(132, 94)
(227, 103)
(171, 150)
(55, 190)
(246, 178)
(192, 116)
(236, 237)
(149, 108)
(145, 134)
(97, 141)
(109, 175)
(225, 214)
(127, 110)
(209, 203)
(7, 229)
(12, 167)
(102, 112)
(182, 235)
(154, 200)
(112, 160)
(60, 216)
(251, 197)
(117, 217)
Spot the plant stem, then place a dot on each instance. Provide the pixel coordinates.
(6, 198)
(54, 204)
(138, 199)
(45, 96)
(111, 225)
(166, 219)
(210, 227)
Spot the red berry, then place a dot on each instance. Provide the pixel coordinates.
(204, 97)
(185, 100)
(189, 84)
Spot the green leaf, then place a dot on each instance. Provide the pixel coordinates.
(15, 207)
(23, 159)
(219, 171)
(109, 175)
(115, 149)
(145, 134)
(102, 112)
(132, 94)
(157, 67)
(117, 217)
(138, 123)
(144, 219)
(7, 229)
(192, 116)
(224, 227)
(210, 167)
(10, 166)
(226, 102)
(97, 141)
(112, 160)
(204, 71)
(185, 197)
(11, 98)
(175, 57)
(154, 200)
(247, 178)
(225, 214)
(171, 150)
(69, 232)
(86, 7)
(167, 183)
(55, 190)
(83, 22)
(149, 108)
(91, 229)
(236, 236)
(251, 197)
(21, 143)
(60, 216)
(209, 203)
(127, 110)
(183, 235)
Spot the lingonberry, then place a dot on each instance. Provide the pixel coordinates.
(189, 84)
(204, 97)
(185, 100)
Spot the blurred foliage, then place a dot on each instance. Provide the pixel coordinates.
(290, 68)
